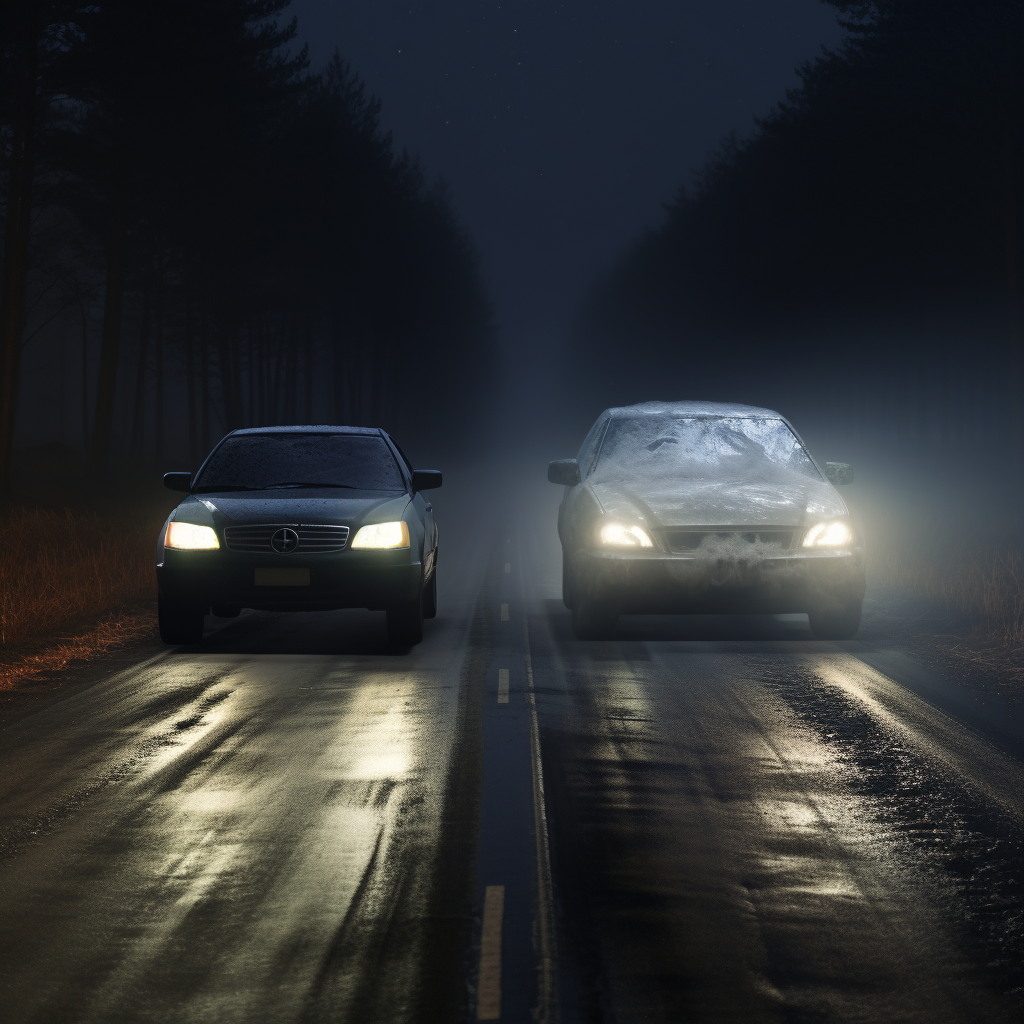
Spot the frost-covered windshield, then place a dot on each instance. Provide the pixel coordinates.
(260, 461)
(705, 446)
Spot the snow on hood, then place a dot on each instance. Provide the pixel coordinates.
(743, 468)
(719, 502)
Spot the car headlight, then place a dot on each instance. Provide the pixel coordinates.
(382, 535)
(828, 535)
(189, 537)
(618, 535)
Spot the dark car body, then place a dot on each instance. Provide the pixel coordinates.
(727, 496)
(286, 547)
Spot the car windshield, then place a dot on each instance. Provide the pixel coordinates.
(722, 447)
(253, 462)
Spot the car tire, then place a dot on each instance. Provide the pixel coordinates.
(405, 622)
(568, 583)
(430, 596)
(179, 623)
(592, 620)
(837, 622)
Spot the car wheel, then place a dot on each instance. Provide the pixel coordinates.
(838, 622)
(405, 622)
(568, 584)
(430, 597)
(179, 623)
(592, 621)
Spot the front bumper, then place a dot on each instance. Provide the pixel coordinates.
(658, 583)
(344, 579)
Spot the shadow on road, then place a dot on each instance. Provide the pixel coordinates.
(687, 627)
(346, 632)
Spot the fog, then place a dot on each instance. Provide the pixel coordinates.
(663, 204)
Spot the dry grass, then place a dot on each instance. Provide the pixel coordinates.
(977, 581)
(71, 582)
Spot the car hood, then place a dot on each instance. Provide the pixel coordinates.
(302, 505)
(718, 502)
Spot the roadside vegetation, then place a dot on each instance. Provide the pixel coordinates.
(980, 587)
(74, 581)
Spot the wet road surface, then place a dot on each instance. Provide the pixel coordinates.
(699, 820)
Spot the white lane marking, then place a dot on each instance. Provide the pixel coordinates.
(548, 997)
(508, 567)
(488, 1003)
(504, 613)
(502, 685)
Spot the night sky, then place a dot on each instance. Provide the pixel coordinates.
(563, 127)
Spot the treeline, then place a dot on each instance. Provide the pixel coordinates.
(231, 237)
(864, 242)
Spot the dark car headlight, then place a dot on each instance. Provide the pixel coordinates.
(382, 535)
(189, 537)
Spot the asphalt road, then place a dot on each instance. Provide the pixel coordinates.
(701, 820)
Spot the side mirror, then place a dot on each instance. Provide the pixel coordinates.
(425, 479)
(178, 481)
(564, 471)
(839, 472)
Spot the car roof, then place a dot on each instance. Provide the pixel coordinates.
(319, 429)
(694, 409)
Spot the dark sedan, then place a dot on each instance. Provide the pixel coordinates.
(300, 518)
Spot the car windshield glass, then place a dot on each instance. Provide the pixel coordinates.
(259, 461)
(723, 447)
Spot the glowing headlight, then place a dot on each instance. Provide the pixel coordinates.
(383, 535)
(828, 535)
(189, 537)
(616, 535)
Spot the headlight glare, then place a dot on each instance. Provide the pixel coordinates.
(828, 535)
(189, 537)
(382, 535)
(618, 535)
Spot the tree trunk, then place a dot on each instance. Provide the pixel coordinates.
(224, 375)
(376, 384)
(190, 386)
(113, 306)
(85, 379)
(340, 361)
(204, 383)
(291, 377)
(307, 379)
(137, 445)
(238, 418)
(16, 236)
(354, 360)
(158, 427)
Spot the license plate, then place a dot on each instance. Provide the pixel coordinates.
(282, 577)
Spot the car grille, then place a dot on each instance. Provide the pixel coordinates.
(312, 539)
(690, 540)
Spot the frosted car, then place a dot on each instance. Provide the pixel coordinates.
(704, 507)
(300, 519)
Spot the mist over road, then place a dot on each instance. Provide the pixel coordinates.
(710, 819)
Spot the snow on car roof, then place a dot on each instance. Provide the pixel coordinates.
(694, 409)
(320, 429)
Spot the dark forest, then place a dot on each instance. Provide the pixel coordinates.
(229, 236)
(862, 246)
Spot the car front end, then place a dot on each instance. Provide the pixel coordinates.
(289, 562)
(638, 569)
